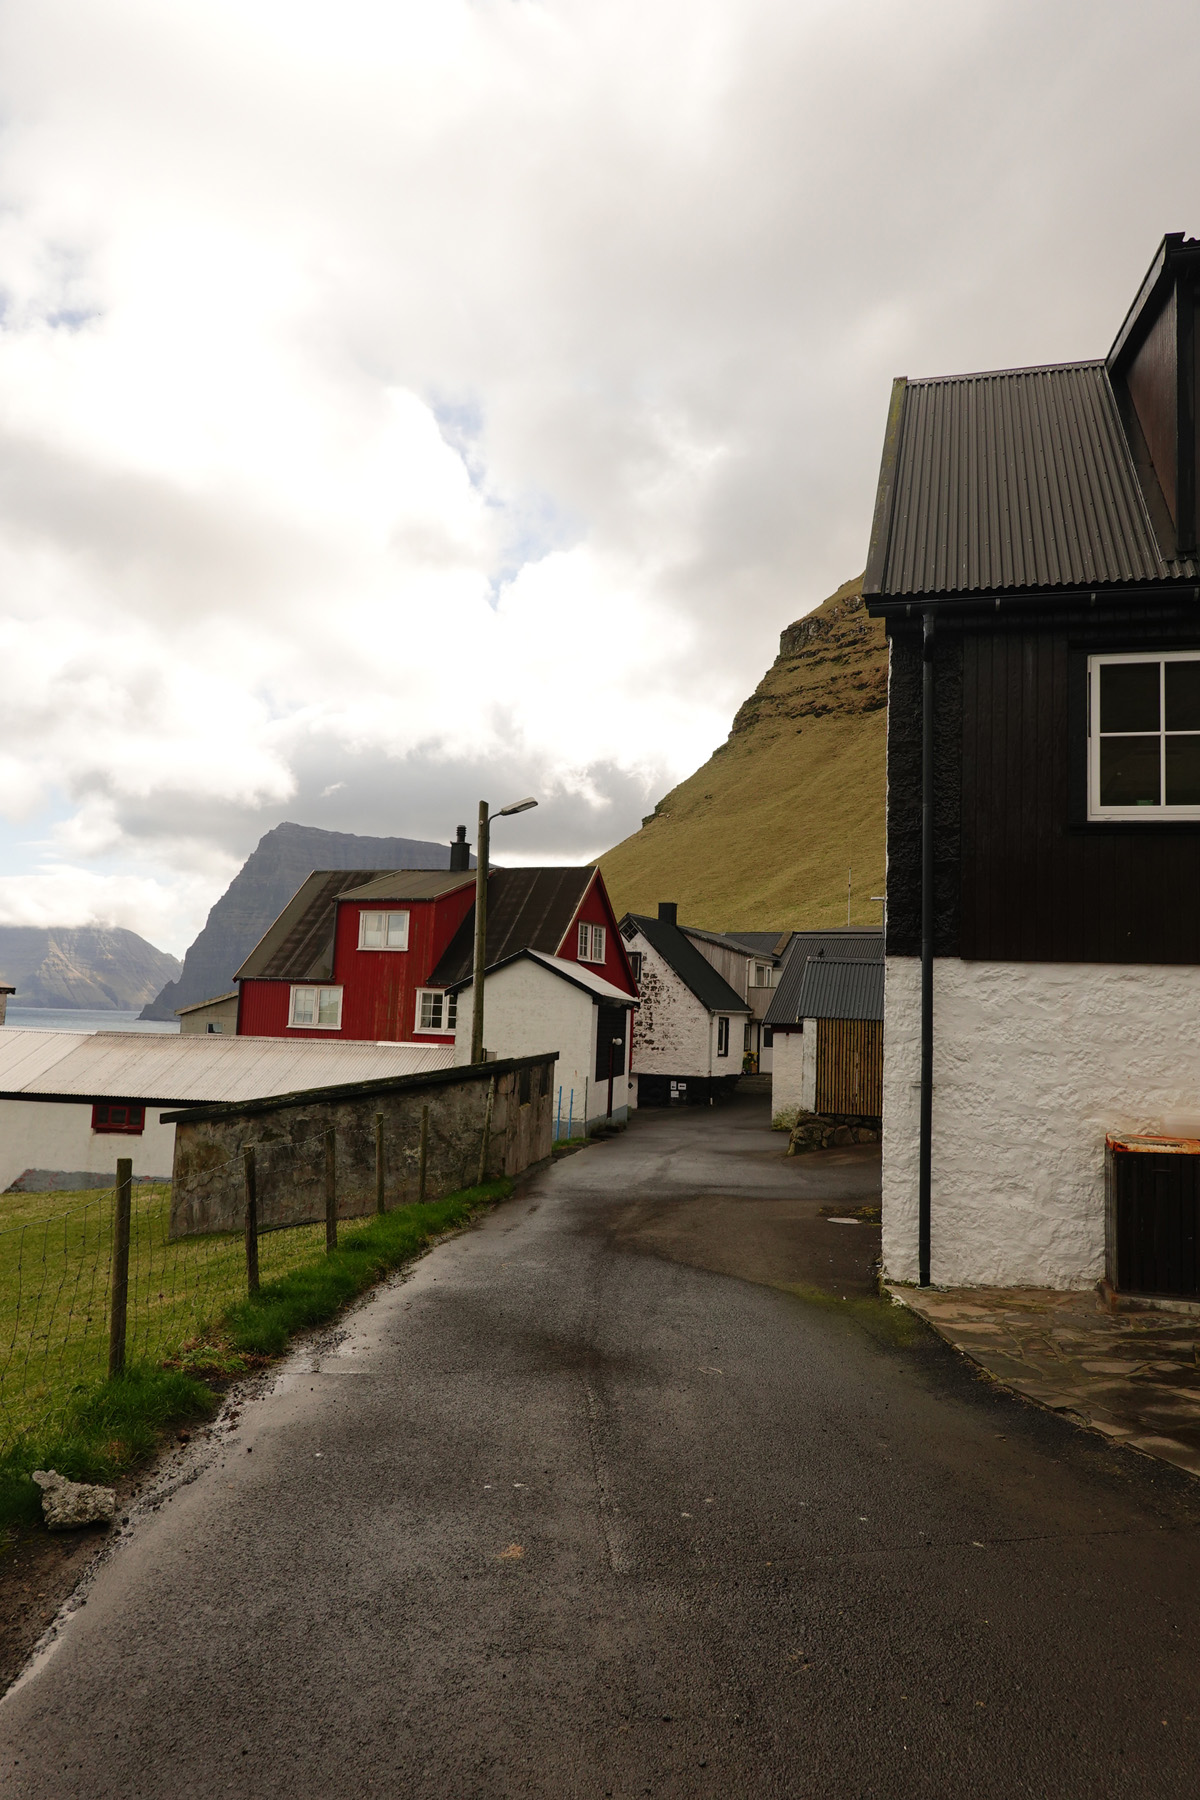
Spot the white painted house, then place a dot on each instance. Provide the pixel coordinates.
(688, 1044)
(534, 1002)
(72, 1102)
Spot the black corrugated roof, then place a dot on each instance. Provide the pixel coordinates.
(757, 943)
(299, 945)
(1015, 479)
(411, 884)
(527, 909)
(836, 988)
(693, 969)
(846, 943)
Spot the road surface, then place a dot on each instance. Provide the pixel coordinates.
(616, 1495)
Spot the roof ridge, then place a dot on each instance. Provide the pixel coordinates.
(1090, 362)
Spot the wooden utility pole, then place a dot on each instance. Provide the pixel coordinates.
(330, 1190)
(120, 1267)
(481, 875)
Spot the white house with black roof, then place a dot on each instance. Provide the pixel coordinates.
(822, 1062)
(688, 1042)
(751, 962)
(1034, 558)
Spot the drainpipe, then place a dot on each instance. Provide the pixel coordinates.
(926, 1163)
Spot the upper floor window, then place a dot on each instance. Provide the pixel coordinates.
(635, 964)
(436, 1011)
(118, 1115)
(764, 975)
(317, 1008)
(1144, 736)
(383, 931)
(591, 943)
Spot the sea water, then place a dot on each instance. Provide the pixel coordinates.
(83, 1018)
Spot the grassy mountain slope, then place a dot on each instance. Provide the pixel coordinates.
(762, 836)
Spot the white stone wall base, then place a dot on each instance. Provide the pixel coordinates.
(1033, 1064)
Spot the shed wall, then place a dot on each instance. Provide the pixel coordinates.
(58, 1135)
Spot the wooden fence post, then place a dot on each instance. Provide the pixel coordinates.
(330, 1190)
(251, 1219)
(423, 1162)
(487, 1130)
(120, 1267)
(379, 1206)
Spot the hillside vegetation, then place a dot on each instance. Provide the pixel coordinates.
(761, 837)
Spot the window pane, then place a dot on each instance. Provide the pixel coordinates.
(302, 1006)
(1129, 772)
(1183, 697)
(397, 931)
(451, 1011)
(1183, 771)
(372, 931)
(585, 933)
(330, 1007)
(597, 943)
(1129, 696)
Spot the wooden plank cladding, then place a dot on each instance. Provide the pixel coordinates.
(850, 1067)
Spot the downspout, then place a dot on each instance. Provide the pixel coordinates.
(926, 1161)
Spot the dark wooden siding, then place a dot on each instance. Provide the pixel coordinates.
(1020, 874)
(850, 1067)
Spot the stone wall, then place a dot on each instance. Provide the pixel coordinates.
(288, 1134)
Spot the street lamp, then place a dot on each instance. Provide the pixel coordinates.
(481, 875)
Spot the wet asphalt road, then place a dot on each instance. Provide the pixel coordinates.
(579, 1510)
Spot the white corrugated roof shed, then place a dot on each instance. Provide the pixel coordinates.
(201, 1068)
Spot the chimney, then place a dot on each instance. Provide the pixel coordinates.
(460, 850)
(668, 912)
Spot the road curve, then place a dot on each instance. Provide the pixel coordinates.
(616, 1495)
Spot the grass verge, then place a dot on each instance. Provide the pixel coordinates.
(104, 1428)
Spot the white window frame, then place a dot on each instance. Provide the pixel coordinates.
(764, 975)
(317, 1024)
(451, 1006)
(723, 1036)
(392, 919)
(1142, 815)
(591, 943)
(635, 964)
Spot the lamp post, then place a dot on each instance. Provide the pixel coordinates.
(481, 876)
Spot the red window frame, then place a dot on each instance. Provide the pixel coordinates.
(120, 1116)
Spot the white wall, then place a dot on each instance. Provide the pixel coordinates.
(52, 1134)
(787, 1077)
(673, 1033)
(1033, 1064)
(528, 1010)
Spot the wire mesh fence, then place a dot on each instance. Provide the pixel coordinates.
(67, 1259)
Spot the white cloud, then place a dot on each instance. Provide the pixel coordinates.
(409, 392)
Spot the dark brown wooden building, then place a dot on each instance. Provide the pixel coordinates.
(1034, 556)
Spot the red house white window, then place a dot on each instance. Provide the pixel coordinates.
(591, 943)
(316, 1008)
(118, 1115)
(383, 931)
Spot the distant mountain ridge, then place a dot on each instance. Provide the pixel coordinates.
(261, 889)
(761, 837)
(86, 967)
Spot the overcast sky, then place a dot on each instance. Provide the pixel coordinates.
(414, 401)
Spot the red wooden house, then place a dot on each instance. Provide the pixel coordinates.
(364, 956)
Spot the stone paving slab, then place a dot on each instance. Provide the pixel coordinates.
(1135, 1376)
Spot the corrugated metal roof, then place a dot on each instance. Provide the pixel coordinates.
(299, 945)
(527, 909)
(168, 1069)
(1014, 479)
(851, 943)
(411, 884)
(577, 973)
(754, 943)
(693, 969)
(836, 989)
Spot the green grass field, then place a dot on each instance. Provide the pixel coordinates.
(190, 1321)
